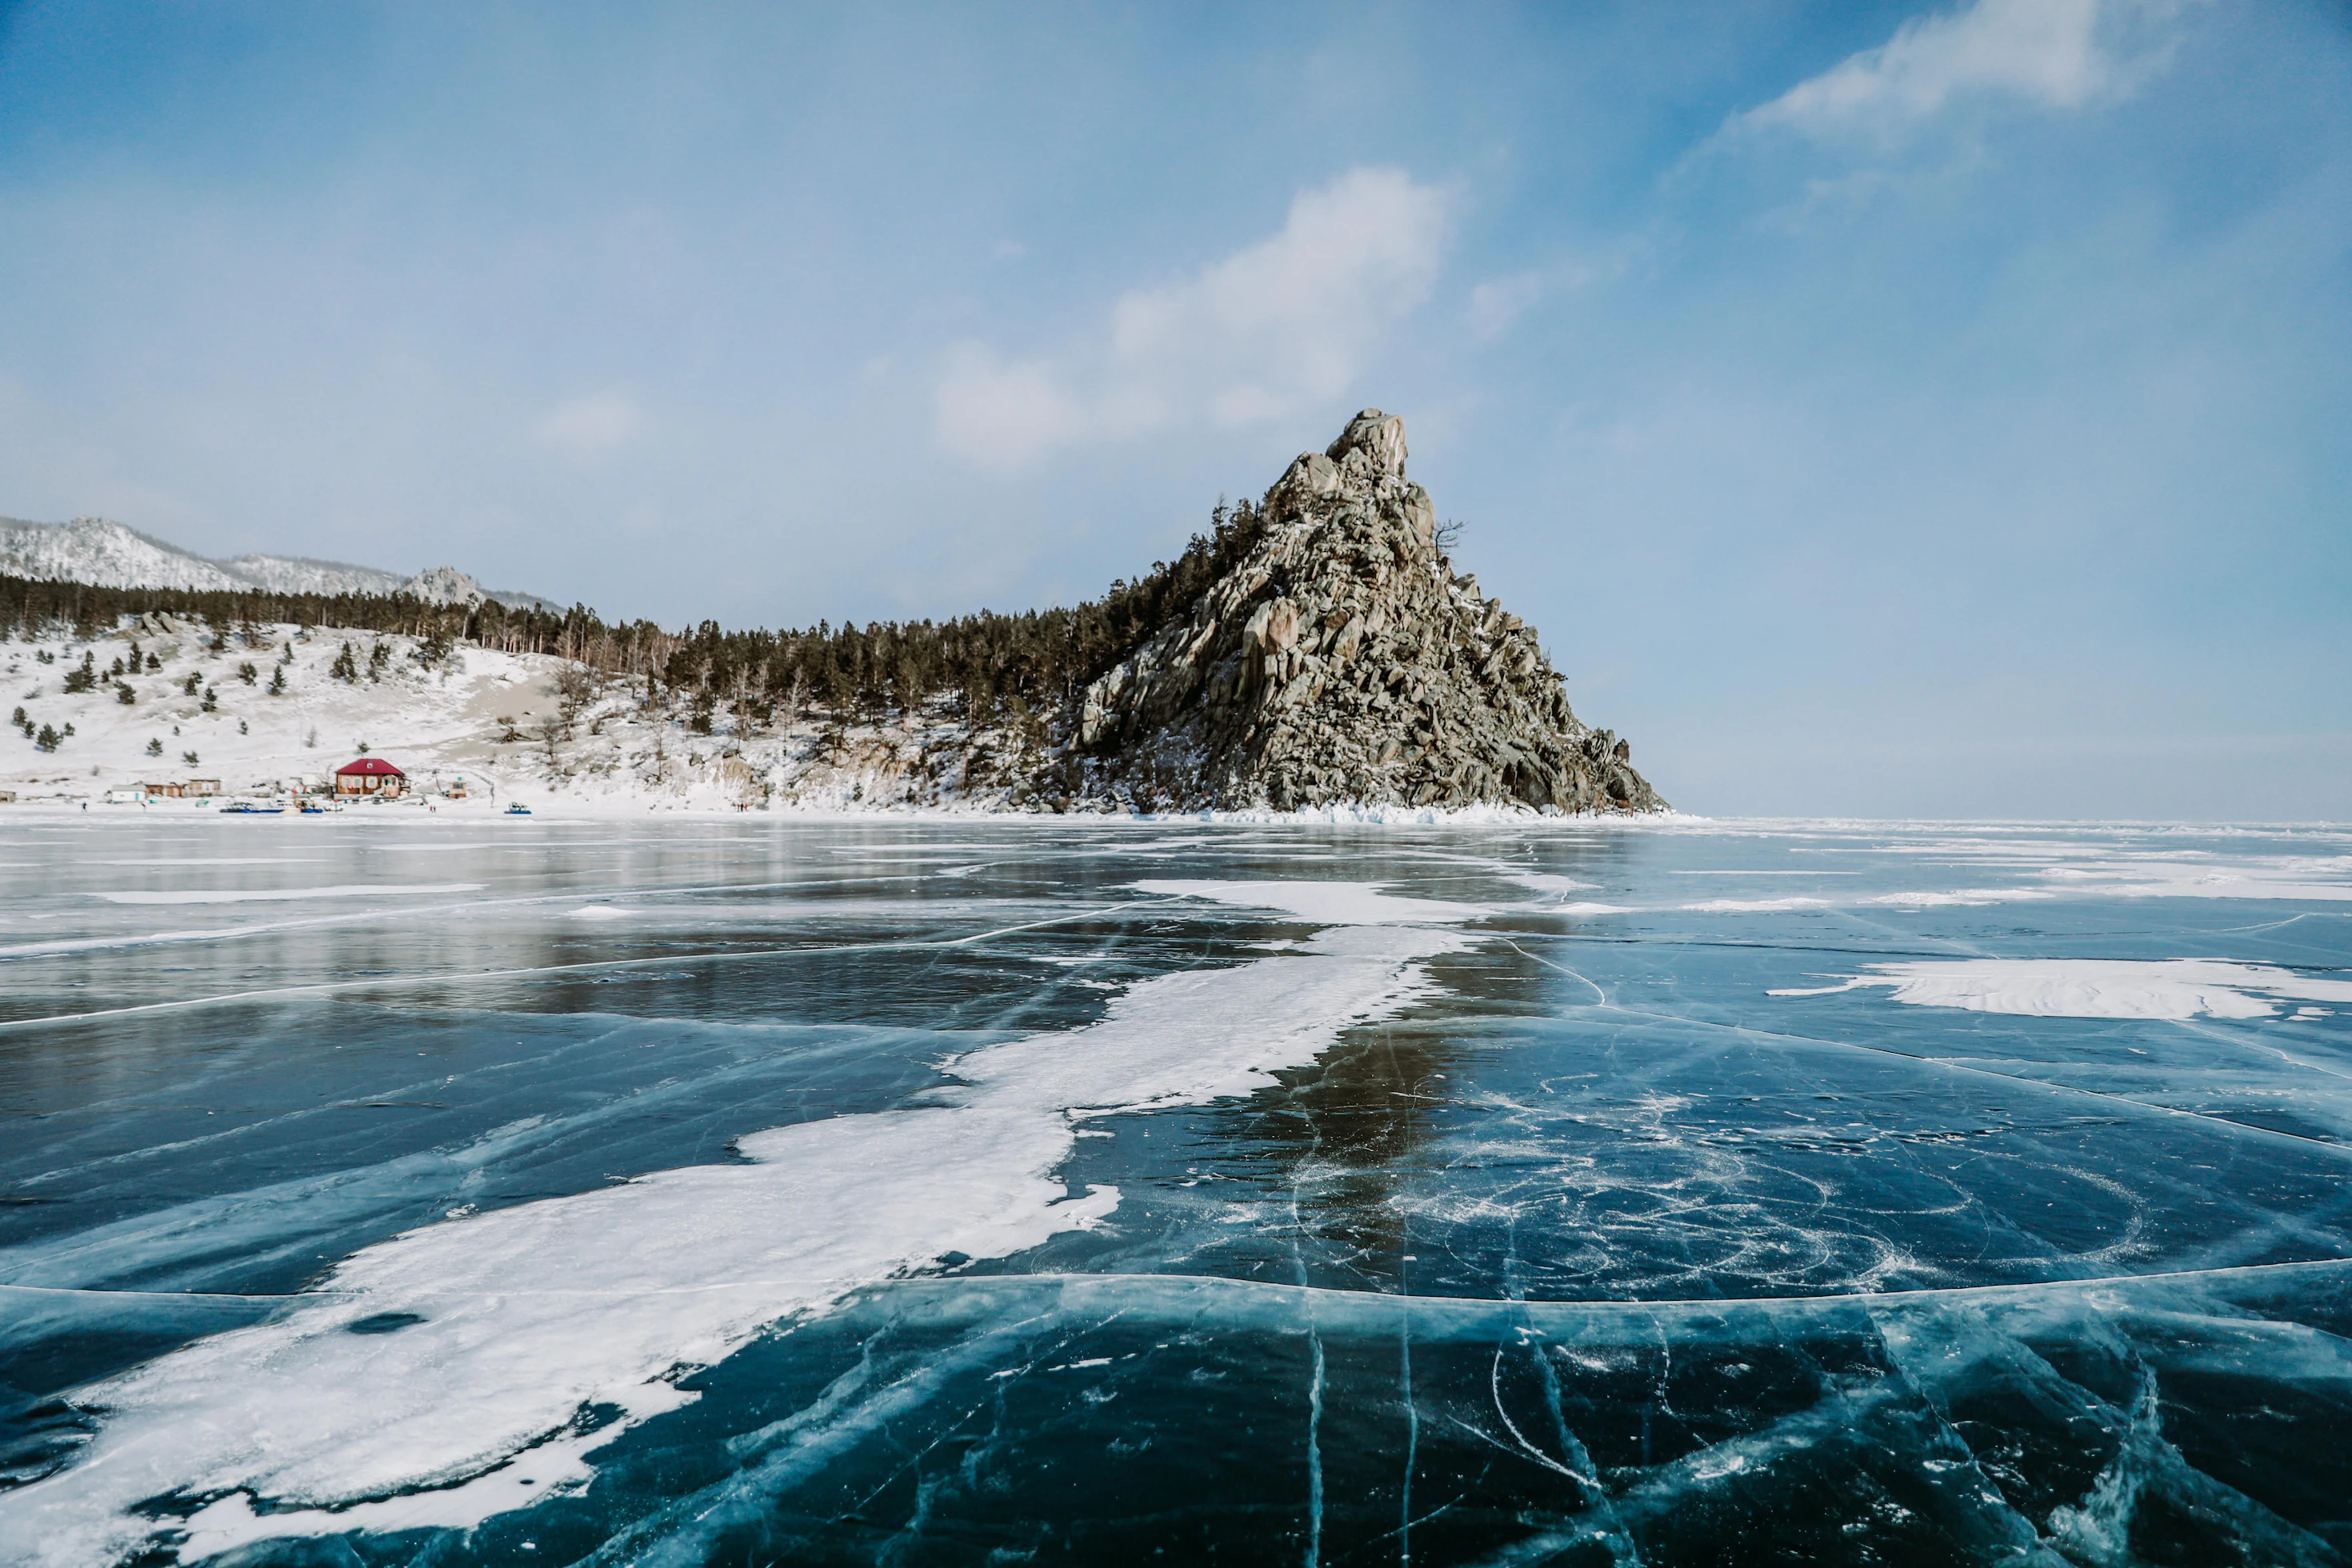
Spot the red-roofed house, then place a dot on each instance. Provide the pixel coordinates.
(369, 775)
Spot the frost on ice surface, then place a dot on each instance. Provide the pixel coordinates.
(906, 1191)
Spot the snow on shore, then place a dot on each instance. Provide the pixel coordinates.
(494, 725)
(486, 720)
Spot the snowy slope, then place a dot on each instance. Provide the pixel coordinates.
(97, 550)
(296, 574)
(495, 720)
(91, 550)
(483, 714)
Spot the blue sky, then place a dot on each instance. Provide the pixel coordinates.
(1884, 409)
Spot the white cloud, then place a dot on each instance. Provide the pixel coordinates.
(1497, 303)
(2045, 51)
(1004, 414)
(1271, 330)
(586, 428)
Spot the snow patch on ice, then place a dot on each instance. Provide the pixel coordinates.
(525, 1319)
(1544, 882)
(1326, 903)
(1190, 1037)
(2294, 880)
(1357, 813)
(1963, 897)
(2093, 988)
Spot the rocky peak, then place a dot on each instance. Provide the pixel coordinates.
(1342, 659)
(444, 585)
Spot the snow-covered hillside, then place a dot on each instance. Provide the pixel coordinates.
(501, 722)
(106, 553)
(293, 574)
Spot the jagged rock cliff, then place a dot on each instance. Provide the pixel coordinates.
(1342, 659)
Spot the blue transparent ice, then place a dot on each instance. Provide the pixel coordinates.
(1545, 1233)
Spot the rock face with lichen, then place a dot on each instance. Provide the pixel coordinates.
(1343, 660)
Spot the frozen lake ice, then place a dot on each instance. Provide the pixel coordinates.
(968, 1191)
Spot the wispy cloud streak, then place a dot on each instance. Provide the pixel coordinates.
(2044, 52)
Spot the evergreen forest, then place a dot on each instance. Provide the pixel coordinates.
(1029, 663)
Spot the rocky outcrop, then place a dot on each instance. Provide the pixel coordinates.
(444, 585)
(1343, 660)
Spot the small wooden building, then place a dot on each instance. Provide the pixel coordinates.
(192, 788)
(369, 775)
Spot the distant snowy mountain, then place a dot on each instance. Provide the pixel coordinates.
(106, 553)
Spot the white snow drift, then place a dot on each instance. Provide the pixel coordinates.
(2094, 987)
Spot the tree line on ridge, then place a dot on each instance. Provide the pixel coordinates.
(1029, 663)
